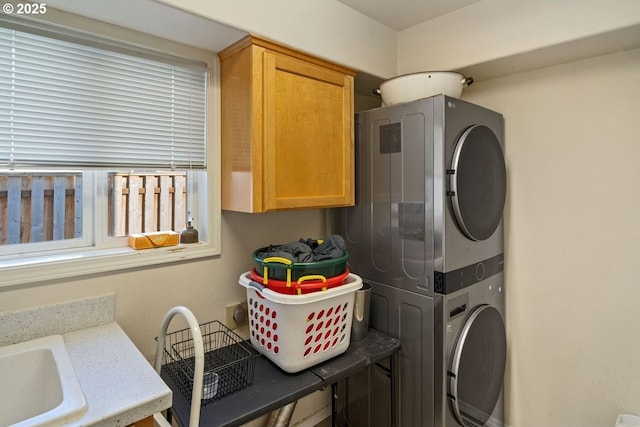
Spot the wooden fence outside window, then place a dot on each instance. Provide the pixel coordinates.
(46, 207)
(147, 202)
(39, 208)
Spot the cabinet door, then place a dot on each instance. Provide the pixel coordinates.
(308, 135)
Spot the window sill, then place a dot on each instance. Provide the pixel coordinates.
(14, 272)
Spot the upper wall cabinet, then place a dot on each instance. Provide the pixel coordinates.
(287, 129)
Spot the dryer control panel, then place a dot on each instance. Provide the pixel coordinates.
(446, 283)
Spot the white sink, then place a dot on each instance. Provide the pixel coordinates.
(38, 386)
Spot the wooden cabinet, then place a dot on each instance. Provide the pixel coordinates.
(287, 129)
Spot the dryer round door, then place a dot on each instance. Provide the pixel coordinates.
(478, 182)
(476, 373)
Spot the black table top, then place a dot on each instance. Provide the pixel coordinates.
(273, 388)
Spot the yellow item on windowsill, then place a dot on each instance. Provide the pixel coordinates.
(155, 239)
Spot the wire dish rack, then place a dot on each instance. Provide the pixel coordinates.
(229, 362)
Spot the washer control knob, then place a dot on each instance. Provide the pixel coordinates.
(480, 271)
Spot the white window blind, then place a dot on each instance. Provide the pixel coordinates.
(72, 105)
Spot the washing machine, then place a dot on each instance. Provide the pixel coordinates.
(427, 233)
(470, 355)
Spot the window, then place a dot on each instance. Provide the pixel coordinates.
(98, 140)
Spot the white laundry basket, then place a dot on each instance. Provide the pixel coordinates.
(299, 331)
(625, 420)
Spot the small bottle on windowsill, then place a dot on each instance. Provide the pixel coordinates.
(189, 234)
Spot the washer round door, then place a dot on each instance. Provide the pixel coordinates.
(478, 182)
(476, 373)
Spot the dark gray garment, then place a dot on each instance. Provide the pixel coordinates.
(309, 250)
(333, 247)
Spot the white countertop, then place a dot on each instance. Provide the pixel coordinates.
(120, 385)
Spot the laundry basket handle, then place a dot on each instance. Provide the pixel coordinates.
(257, 286)
(312, 277)
(196, 395)
(300, 285)
(275, 259)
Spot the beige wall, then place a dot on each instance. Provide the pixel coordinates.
(492, 30)
(572, 233)
(328, 29)
(144, 295)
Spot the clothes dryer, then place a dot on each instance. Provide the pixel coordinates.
(430, 192)
(470, 184)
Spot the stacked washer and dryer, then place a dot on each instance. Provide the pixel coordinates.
(427, 234)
